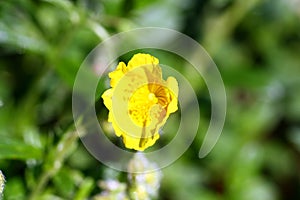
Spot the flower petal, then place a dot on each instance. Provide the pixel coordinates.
(106, 96)
(141, 59)
(116, 75)
(135, 143)
(118, 130)
(172, 84)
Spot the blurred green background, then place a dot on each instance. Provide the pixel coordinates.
(255, 44)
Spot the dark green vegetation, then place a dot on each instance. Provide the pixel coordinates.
(255, 44)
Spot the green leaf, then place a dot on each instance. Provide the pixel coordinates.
(85, 189)
(18, 31)
(64, 182)
(16, 149)
(14, 189)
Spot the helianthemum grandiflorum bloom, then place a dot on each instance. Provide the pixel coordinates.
(140, 101)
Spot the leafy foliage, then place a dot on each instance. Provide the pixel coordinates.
(254, 43)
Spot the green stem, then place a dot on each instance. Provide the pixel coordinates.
(54, 161)
(219, 28)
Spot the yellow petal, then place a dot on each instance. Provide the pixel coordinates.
(135, 143)
(106, 96)
(141, 59)
(173, 87)
(116, 75)
(118, 130)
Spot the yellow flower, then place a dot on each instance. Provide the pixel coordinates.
(140, 94)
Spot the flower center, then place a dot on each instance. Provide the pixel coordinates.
(152, 98)
(142, 100)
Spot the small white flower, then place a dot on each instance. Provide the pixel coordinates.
(145, 185)
(2, 181)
